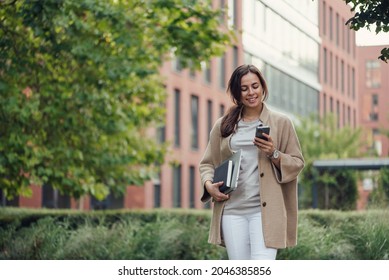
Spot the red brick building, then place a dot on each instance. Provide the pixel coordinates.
(338, 63)
(373, 85)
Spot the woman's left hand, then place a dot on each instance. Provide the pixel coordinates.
(266, 146)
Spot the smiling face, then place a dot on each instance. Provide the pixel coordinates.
(251, 91)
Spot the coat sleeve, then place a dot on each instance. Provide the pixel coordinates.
(210, 159)
(292, 160)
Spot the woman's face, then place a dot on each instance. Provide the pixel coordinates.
(251, 90)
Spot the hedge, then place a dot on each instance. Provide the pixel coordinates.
(177, 234)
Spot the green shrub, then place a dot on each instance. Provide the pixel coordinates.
(43, 240)
(337, 235)
(179, 235)
(371, 236)
(138, 235)
(317, 242)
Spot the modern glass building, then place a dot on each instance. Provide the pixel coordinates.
(282, 39)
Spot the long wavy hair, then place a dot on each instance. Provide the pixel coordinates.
(234, 88)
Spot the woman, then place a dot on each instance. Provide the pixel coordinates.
(260, 216)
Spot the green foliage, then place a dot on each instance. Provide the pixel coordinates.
(80, 85)
(179, 235)
(384, 181)
(322, 139)
(316, 242)
(335, 235)
(145, 235)
(379, 197)
(340, 192)
(369, 12)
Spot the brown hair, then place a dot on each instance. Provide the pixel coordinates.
(234, 88)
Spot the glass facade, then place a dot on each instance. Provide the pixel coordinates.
(282, 34)
(282, 40)
(287, 93)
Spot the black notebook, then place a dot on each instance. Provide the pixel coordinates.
(228, 172)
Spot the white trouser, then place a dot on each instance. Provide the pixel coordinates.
(243, 237)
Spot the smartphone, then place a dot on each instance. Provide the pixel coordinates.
(262, 129)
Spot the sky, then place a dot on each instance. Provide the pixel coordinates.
(365, 37)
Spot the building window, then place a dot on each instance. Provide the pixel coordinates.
(331, 24)
(222, 71)
(177, 64)
(374, 100)
(337, 29)
(222, 14)
(325, 66)
(349, 115)
(373, 74)
(324, 18)
(177, 186)
(209, 116)
(278, 82)
(192, 72)
(8, 202)
(192, 175)
(342, 76)
(374, 116)
(235, 54)
(53, 199)
(348, 81)
(331, 104)
(112, 201)
(206, 68)
(195, 121)
(374, 107)
(157, 195)
(177, 118)
(157, 191)
(161, 130)
(331, 69)
(343, 33)
(232, 19)
(353, 82)
(161, 134)
(222, 110)
(336, 72)
(338, 113)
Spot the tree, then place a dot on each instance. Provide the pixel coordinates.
(321, 138)
(368, 12)
(80, 85)
(380, 195)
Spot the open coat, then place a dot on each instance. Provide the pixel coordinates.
(278, 189)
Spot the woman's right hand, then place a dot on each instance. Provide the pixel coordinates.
(214, 192)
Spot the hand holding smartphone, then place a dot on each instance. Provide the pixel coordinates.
(262, 129)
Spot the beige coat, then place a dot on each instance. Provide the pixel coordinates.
(278, 190)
